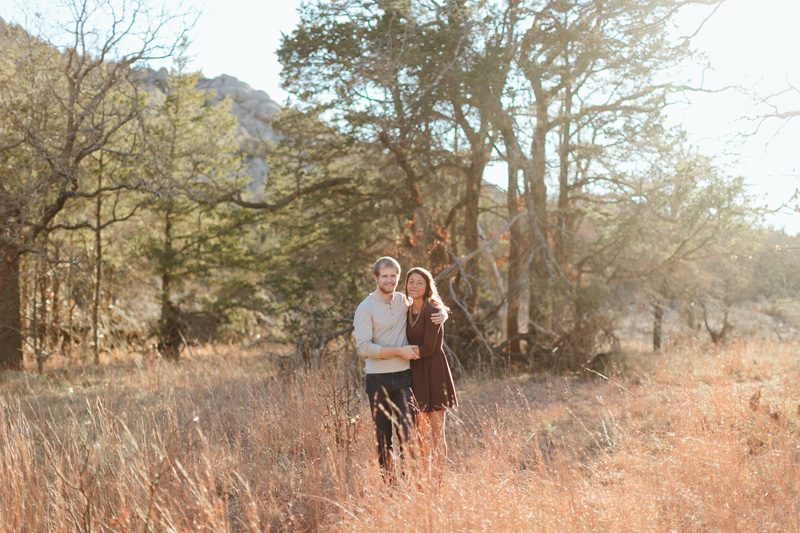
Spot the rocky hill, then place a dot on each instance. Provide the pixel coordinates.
(254, 110)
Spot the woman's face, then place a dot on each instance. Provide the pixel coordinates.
(416, 286)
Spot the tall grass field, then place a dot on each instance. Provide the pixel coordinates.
(697, 438)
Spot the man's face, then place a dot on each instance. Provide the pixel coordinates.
(387, 279)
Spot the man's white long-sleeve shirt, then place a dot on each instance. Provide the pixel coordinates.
(381, 323)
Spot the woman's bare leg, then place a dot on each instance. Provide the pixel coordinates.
(423, 436)
(438, 442)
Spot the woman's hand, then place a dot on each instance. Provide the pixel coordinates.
(409, 352)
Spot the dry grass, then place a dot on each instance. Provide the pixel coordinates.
(696, 439)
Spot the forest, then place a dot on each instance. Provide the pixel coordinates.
(143, 269)
(128, 223)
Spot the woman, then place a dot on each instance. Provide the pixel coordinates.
(432, 381)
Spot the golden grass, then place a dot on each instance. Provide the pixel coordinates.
(694, 439)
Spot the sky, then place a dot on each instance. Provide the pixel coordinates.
(755, 43)
(750, 42)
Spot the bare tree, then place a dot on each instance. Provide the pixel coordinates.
(62, 100)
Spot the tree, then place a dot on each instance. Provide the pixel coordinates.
(59, 105)
(416, 92)
(191, 158)
(590, 72)
(403, 96)
(666, 225)
(316, 251)
(563, 91)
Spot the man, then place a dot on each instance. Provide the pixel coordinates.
(380, 331)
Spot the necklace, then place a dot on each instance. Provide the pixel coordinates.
(411, 320)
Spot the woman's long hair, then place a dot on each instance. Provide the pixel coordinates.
(431, 292)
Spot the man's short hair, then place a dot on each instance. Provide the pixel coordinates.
(385, 262)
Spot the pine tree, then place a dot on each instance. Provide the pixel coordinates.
(191, 159)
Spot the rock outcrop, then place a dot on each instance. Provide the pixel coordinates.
(254, 110)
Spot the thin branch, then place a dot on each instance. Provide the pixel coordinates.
(456, 266)
(236, 196)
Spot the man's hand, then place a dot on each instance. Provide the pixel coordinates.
(440, 317)
(410, 352)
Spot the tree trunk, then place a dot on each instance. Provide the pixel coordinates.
(98, 268)
(55, 295)
(42, 282)
(658, 318)
(70, 309)
(514, 270)
(169, 335)
(10, 320)
(717, 336)
(471, 237)
(516, 162)
(536, 200)
(561, 229)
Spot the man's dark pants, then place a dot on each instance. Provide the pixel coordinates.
(390, 401)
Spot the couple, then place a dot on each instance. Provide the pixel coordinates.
(400, 338)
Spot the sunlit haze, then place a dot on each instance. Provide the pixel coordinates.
(754, 44)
